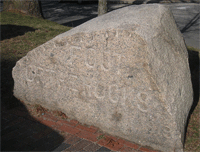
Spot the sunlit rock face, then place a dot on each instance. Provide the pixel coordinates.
(125, 72)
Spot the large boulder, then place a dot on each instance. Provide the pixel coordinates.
(125, 72)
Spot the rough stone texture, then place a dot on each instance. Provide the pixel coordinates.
(125, 72)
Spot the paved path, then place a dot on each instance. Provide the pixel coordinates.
(36, 129)
(187, 17)
(72, 14)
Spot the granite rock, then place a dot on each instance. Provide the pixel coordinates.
(125, 72)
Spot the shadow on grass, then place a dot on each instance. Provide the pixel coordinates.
(9, 31)
(194, 70)
(78, 22)
(7, 83)
(19, 130)
(139, 2)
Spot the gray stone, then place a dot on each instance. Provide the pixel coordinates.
(125, 72)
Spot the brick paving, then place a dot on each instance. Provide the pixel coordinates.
(33, 128)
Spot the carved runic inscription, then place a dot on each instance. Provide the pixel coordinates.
(142, 99)
(99, 91)
(105, 60)
(90, 58)
(113, 93)
(95, 67)
(70, 56)
(100, 70)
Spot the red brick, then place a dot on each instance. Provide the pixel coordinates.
(23, 102)
(74, 121)
(39, 119)
(93, 127)
(128, 144)
(92, 130)
(30, 109)
(88, 135)
(113, 145)
(49, 117)
(111, 137)
(103, 141)
(65, 122)
(55, 127)
(126, 149)
(143, 149)
(46, 112)
(69, 129)
(59, 114)
(48, 123)
(98, 134)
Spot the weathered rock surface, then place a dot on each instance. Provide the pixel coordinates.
(125, 72)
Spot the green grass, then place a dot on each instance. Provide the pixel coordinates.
(192, 142)
(101, 137)
(23, 33)
(36, 32)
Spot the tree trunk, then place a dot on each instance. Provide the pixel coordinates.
(28, 7)
(102, 7)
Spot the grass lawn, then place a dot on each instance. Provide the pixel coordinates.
(20, 34)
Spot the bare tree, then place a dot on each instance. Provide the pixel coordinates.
(28, 7)
(102, 7)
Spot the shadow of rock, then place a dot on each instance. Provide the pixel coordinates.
(139, 2)
(69, 13)
(153, 1)
(78, 22)
(192, 22)
(81, 2)
(7, 83)
(9, 31)
(194, 70)
(19, 130)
